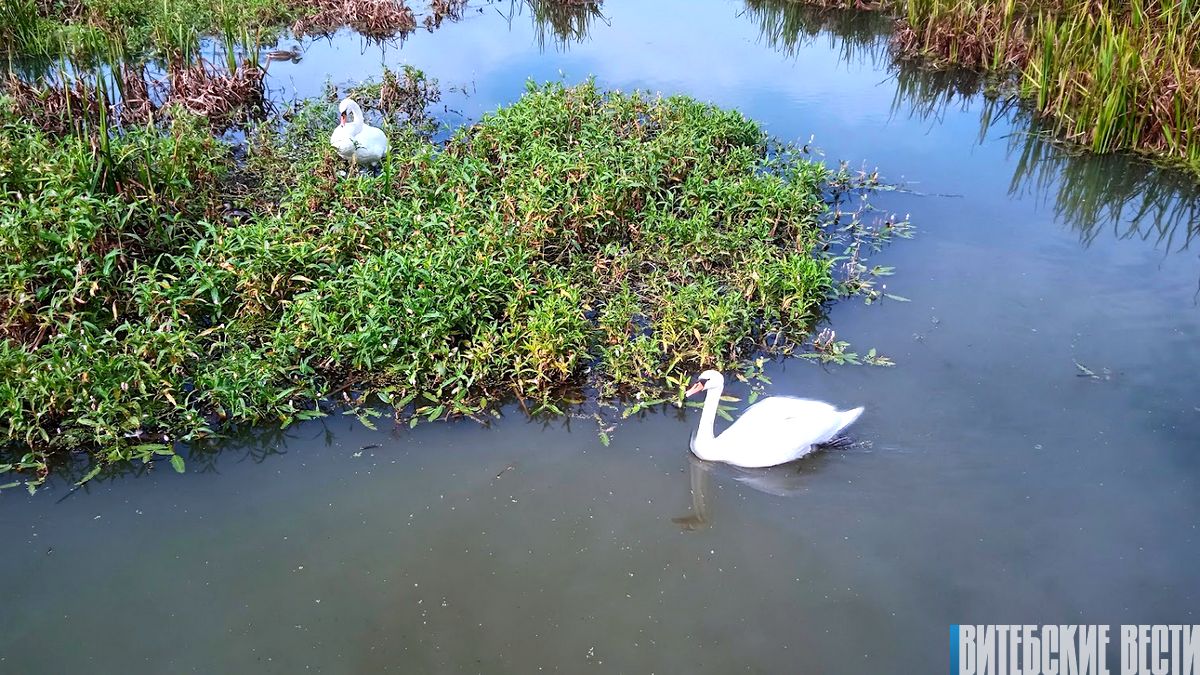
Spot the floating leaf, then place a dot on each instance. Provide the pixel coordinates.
(177, 463)
(90, 474)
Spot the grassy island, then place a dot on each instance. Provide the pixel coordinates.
(152, 288)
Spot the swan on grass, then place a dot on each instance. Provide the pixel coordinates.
(356, 139)
(774, 431)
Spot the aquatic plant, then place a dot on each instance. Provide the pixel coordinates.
(405, 97)
(576, 236)
(440, 10)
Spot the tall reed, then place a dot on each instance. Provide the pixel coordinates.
(1107, 74)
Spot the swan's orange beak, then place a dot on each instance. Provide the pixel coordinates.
(695, 389)
(342, 117)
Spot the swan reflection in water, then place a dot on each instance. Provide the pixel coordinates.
(785, 480)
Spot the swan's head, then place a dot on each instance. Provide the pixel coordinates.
(346, 106)
(709, 379)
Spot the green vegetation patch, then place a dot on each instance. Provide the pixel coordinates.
(573, 237)
(83, 28)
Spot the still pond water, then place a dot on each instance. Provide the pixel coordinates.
(989, 482)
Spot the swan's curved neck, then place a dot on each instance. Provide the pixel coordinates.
(703, 445)
(356, 126)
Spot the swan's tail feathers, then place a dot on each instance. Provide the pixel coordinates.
(849, 416)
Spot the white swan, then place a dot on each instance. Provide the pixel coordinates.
(776, 430)
(357, 140)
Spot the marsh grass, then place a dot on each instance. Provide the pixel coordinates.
(137, 28)
(59, 106)
(1106, 75)
(573, 239)
(173, 30)
(123, 94)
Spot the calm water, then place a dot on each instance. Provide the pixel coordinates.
(989, 483)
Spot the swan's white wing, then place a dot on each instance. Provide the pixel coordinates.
(779, 429)
(372, 144)
(367, 146)
(340, 140)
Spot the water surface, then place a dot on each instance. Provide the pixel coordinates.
(989, 481)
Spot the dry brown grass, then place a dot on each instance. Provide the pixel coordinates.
(220, 96)
(56, 107)
(378, 19)
(137, 106)
(71, 104)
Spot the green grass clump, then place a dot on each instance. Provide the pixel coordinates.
(574, 236)
(86, 29)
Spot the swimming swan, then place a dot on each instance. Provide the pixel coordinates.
(357, 140)
(776, 430)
